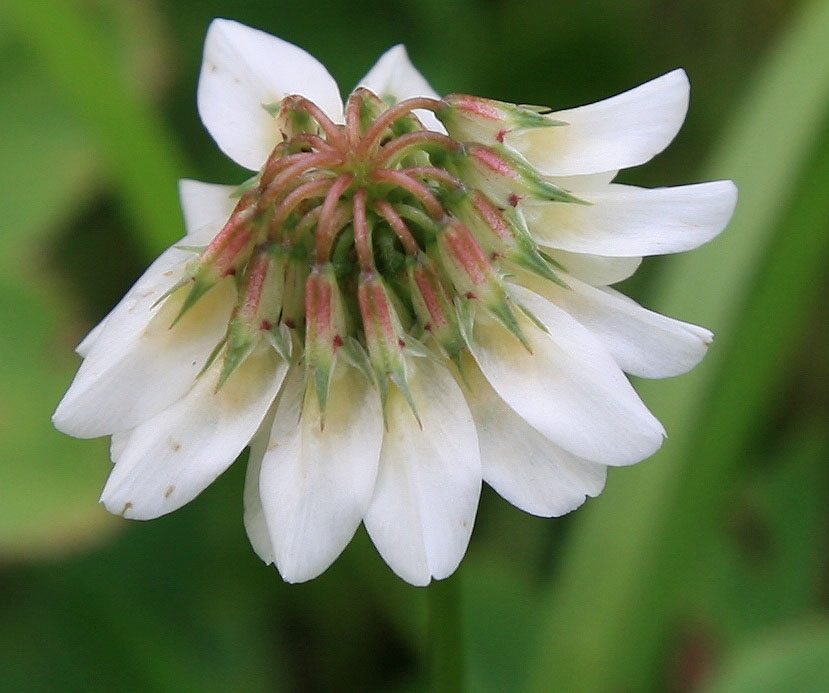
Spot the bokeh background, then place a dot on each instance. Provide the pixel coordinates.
(701, 569)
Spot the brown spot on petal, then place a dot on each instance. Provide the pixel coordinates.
(272, 447)
(514, 200)
(175, 445)
(169, 490)
(127, 506)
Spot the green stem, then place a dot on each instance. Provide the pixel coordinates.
(445, 636)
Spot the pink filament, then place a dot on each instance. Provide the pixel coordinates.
(326, 228)
(372, 138)
(398, 226)
(416, 188)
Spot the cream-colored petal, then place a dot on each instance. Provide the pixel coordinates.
(394, 78)
(626, 221)
(316, 483)
(421, 516)
(598, 270)
(243, 71)
(569, 388)
(521, 464)
(170, 459)
(256, 526)
(206, 208)
(642, 342)
(623, 131)
(139, 365)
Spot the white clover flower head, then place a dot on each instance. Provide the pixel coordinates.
(409, 297)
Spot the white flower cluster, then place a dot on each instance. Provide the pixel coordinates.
(345, 381)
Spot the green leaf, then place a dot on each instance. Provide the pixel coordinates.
(639, 539)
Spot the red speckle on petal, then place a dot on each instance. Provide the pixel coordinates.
(265, 325)
(290, 324)
(338, 341)
(514, 200)
(471, 296)
(501, 135)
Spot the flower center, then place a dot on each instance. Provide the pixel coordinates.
(373, 238)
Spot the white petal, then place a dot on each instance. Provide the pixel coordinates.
(627, 221)
(642, 342)
(394, 78)
(92, 336)
(174, 456)
(139, 365)
(597, 270)
(423, 509)
(315, 483)
(206, 208)
(570, 388)
(118, 443)
(245, 69)
(623, 131)
(586, 183)
(521, 464)
(254, 514)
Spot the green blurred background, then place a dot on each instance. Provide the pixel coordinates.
(702, 569)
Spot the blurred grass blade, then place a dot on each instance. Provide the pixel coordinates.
(795, 658)
(768, 569)
(607, 610)
(143, 158)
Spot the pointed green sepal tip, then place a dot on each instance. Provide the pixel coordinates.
(552, 261)
(466, 318)
(526, 311)
(504, 313)
(529, 119)
(546, 190)
(280, 339)
(398, 377)
(210, 359)
(200, 286)
(239, 347)
(322, 385)
(272, 109)
(529, 258)
(355, 355)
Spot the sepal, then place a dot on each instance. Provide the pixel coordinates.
(475, 119)
(325, 328)
(385, 337)
(290, 119)
(504, 175)
(258, 309)
(473, 275)
(433, 307)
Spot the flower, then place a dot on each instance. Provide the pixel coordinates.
(410, 296)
